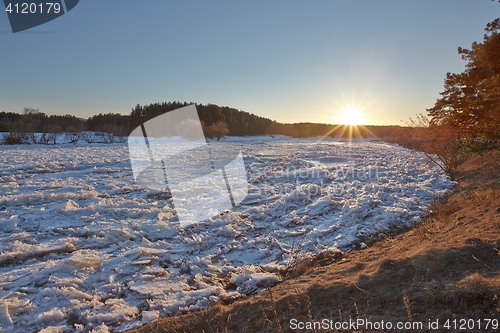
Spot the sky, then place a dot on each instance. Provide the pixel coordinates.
(291, 61)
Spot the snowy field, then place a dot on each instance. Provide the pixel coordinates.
(84, 248)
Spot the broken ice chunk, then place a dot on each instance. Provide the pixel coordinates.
(10, 224)
(149, 316)
(70, 205)
(5, 319)
(86, 258)
(55, 315)
(119, 310)
(54, 329)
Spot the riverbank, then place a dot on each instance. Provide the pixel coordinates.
(444, 270)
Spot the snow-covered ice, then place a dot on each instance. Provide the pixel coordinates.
(83, 247)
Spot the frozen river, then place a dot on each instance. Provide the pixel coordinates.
(84, 247)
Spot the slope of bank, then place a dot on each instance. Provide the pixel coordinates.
(445, 270)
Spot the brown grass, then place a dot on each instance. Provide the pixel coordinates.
(448, 267)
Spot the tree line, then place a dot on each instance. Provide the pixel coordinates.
(223, 118)
(218, 121)
(34, 126)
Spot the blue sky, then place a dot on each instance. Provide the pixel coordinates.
(292, 61)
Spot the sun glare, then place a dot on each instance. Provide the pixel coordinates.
(352, 117)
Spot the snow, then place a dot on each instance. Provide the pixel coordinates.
(84, 248)
(54, 315)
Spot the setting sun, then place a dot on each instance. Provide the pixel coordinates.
(351, 117)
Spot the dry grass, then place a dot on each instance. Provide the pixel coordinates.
(447, 267)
